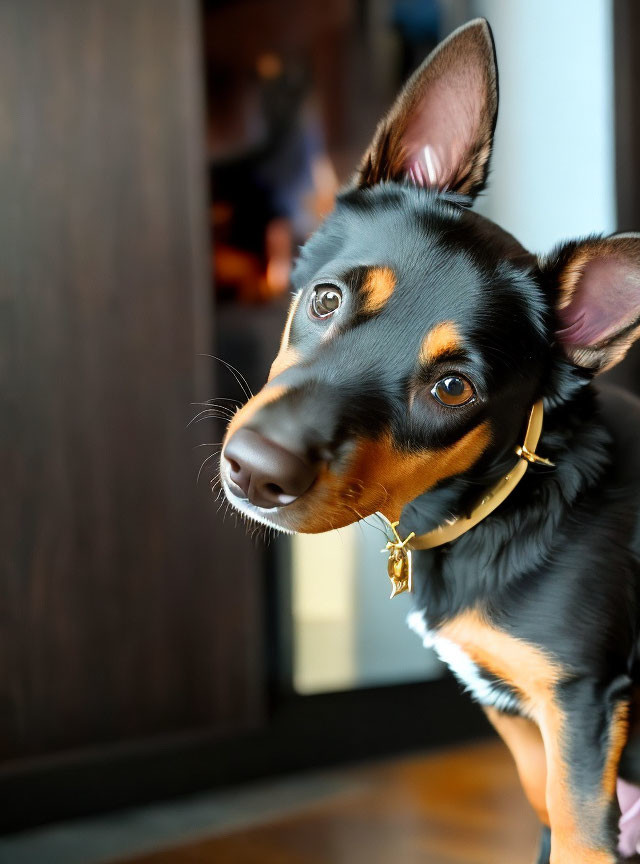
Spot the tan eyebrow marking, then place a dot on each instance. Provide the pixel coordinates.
(284, 341)
(378, 287)
(443, 339)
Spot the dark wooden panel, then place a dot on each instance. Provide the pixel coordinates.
(120, 616)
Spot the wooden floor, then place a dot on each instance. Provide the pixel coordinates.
(464, 806)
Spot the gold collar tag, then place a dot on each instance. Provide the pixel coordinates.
(399, 563)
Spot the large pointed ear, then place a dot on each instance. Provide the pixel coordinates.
(597, 289)
(440, 130)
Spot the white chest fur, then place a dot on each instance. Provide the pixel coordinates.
(485, 691)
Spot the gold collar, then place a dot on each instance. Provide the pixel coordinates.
(399, 563)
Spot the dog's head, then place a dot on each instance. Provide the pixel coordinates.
(420, 333)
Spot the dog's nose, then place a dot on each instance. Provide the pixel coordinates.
(269, 475)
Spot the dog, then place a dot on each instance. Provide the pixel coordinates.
(434, 371)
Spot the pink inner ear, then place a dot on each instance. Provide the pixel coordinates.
(606, 299)
(445, 126)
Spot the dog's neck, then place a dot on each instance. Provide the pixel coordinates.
(492, 554)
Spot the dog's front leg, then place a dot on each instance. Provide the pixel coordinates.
(584, 725)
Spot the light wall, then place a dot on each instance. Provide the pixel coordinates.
(553, 163)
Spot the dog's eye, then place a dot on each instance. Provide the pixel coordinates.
(453, 391)
(325, 300)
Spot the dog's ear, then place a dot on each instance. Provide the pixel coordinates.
(440, 130)
(597, 290)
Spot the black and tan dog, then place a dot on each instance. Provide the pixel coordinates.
(421, 341)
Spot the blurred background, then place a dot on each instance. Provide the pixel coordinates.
(160, 163)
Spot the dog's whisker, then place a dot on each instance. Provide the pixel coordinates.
(339, 533)
(383, 530)
(226, 512)
(212, 405)
(384, 489)
(207, 413)
(215, 399)
(211, 456)
(224, 420)
(242, 381)
(364, 519)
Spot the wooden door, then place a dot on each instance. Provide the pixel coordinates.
(125, 613)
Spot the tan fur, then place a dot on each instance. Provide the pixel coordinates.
(377, 288)
(529, 670)
(523, 738)
(618, 737)
(443, 339)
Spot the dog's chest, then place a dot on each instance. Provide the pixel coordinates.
(483, 686)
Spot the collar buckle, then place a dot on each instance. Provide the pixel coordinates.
(524, 452)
